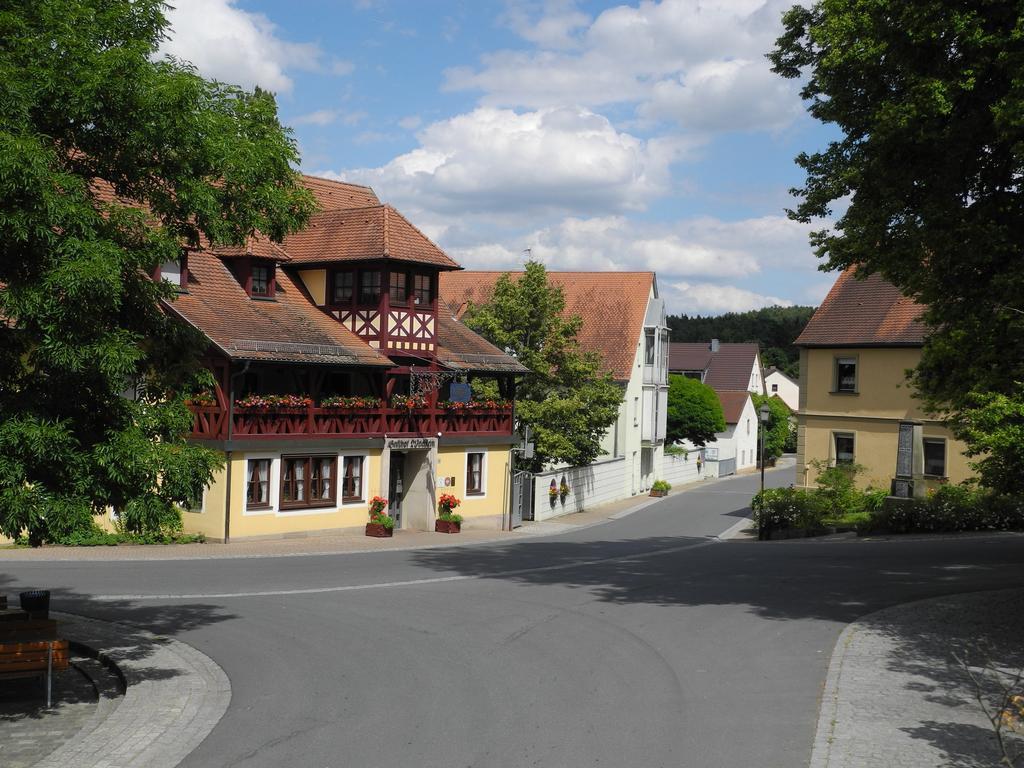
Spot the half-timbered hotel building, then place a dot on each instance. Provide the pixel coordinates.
(334, 366)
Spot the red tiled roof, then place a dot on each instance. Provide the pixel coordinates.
(333, 195)
(459, 347)
(727, 369)
(613, 306)
(258, 245)
(289, 328)
(868, 312)
(377, 232)
(733, 402)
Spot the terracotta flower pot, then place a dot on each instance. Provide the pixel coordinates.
(659, 494)
(446, 526)
(378, 531)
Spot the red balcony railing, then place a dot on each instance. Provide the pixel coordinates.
(211, 423)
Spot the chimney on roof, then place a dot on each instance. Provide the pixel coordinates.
(714, 345)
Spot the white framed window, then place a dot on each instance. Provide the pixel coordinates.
(197, 506)
(476, 474)
(354, 471)
(261, 484)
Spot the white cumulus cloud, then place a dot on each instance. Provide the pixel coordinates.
(698, 62)
(716, 298)
(240, 47)
(566, 160)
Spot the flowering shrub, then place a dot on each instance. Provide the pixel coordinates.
(445, 504)
(271, 402)
(412, 402)
(378, 512)
(563, 489)
(950, 508)
(358, 401)
(201, 399)
(476, 405)
(553, 491)
(782, 508)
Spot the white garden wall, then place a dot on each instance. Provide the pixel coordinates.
(678, 470)
(589, 486)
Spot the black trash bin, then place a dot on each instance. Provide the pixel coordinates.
(36, 603)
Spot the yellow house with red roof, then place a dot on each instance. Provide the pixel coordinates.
(855, 403)
(339, 377)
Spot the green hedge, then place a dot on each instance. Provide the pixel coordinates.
(950, 508)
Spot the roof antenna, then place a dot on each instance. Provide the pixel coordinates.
(528, 252)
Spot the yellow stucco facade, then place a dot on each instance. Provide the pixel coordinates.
(225, 512)
(869, 418)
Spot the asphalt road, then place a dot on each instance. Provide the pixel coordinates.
(638, 643)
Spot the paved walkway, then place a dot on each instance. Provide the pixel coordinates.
(350, 542)
(896, 696)
(173, 697)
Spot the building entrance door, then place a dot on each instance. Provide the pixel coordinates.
(396, 487)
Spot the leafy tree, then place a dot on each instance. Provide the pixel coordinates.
(87, 108)
(694, 411)
(929, 100)
(774, 329)
(777, 429)
(566, 400)
(993, 426)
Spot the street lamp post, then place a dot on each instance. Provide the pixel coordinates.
(765, 413)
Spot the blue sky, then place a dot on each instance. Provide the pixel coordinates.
(599, 135)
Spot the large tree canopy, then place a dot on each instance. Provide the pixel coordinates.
(566, 400)
(929, 99)
(694, 411)
(86, 107)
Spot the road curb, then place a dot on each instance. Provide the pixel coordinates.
(174, 695)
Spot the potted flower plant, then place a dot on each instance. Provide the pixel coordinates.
(660, 488)
(409, 402)
(381, 524)
(563, 490)
(358, 402)
(447, 521)
(553, 492)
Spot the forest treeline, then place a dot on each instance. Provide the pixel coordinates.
(774, 328)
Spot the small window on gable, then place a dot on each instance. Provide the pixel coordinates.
(369, 287)
(935, 456)
(775, 387)
(261, 280)
(423, 289)
(344, 287)
(846, 374)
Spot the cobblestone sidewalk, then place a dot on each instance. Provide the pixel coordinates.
(896, 696)
(173, 698)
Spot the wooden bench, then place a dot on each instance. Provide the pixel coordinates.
(32, 658)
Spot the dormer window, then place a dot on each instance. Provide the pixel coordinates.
(369, 287)
(399, 293)
(261, 280)
(423, 290)
(174, 272)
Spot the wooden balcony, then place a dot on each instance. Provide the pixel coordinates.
(211, 422)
